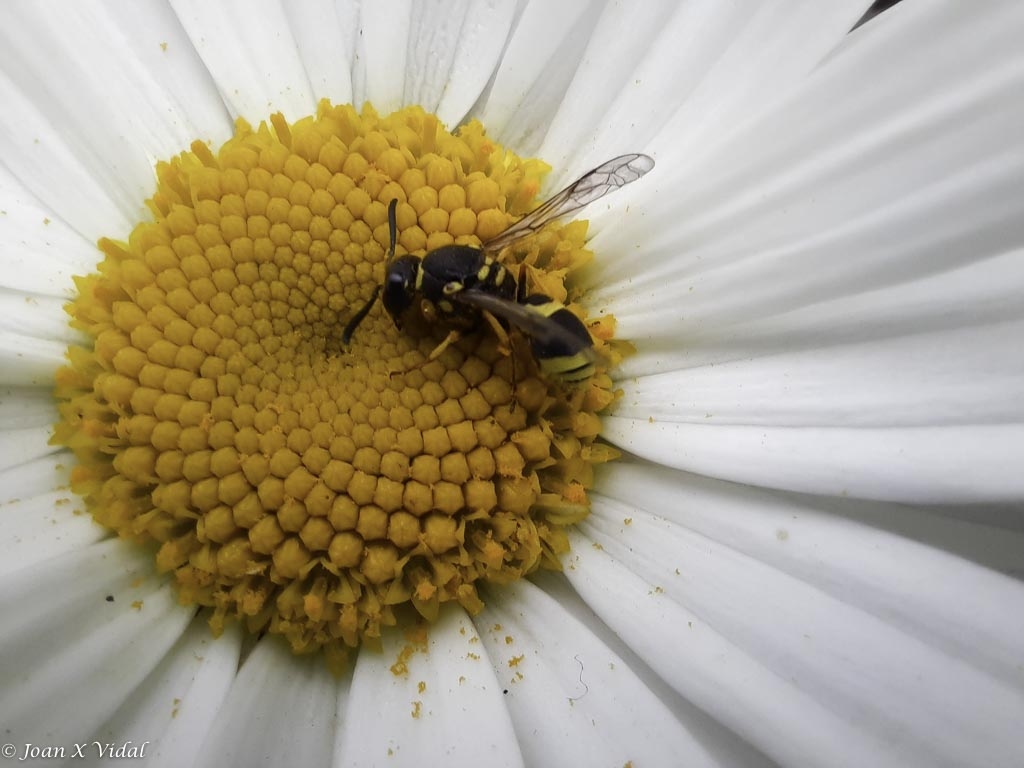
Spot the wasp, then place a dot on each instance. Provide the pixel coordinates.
(461, 283)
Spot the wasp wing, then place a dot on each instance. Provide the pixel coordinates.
(540, 328)
(607, 177)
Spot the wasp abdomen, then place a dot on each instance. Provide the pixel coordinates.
(568, 356)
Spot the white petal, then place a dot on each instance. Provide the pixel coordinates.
(856, 286)
(702, 665)
(35, 477)
(572, 698)
(174, 707)
(978, 298)
(609, 70)
(379, 68)
(58, 173)
(916, 464)
(453, 50)
(871, 626)
(23, 407)
(44, 525)
(41, 252)
(34, 338)
(963, 376)
(187, 104)
(539, 62)
(42, 515)
(931, 416)
(325, 35)
(90, 625)
(83, 139)
(250, 52)
(27, 418)
(18, 446)
(279, 711)
(438, 56)
(448, 709)
(36, 317)
(794, 671)
(721, 64)
(860, 552)
(798, 209)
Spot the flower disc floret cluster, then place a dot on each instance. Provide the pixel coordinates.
(304, 487)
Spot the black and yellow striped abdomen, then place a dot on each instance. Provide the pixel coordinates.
(568, 356)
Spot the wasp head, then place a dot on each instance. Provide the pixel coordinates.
(400, 285)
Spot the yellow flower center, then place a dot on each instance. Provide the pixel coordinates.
(308, 488)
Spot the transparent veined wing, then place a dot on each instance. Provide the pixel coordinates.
(606, 178)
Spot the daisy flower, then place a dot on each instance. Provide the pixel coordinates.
(810, 550)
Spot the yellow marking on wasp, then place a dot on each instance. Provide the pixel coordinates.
(547, 309)
(569, 367)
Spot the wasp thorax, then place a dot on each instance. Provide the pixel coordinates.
(314, 490)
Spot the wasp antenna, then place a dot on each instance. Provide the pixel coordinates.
(392, 229)
(346, 335)
(358, 317)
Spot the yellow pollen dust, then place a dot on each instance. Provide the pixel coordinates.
(307, 488)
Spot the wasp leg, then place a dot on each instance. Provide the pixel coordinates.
(504, 345)
(521, 285)
(520, 298)
(430, 314)
(451, 338)
(515, 377)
